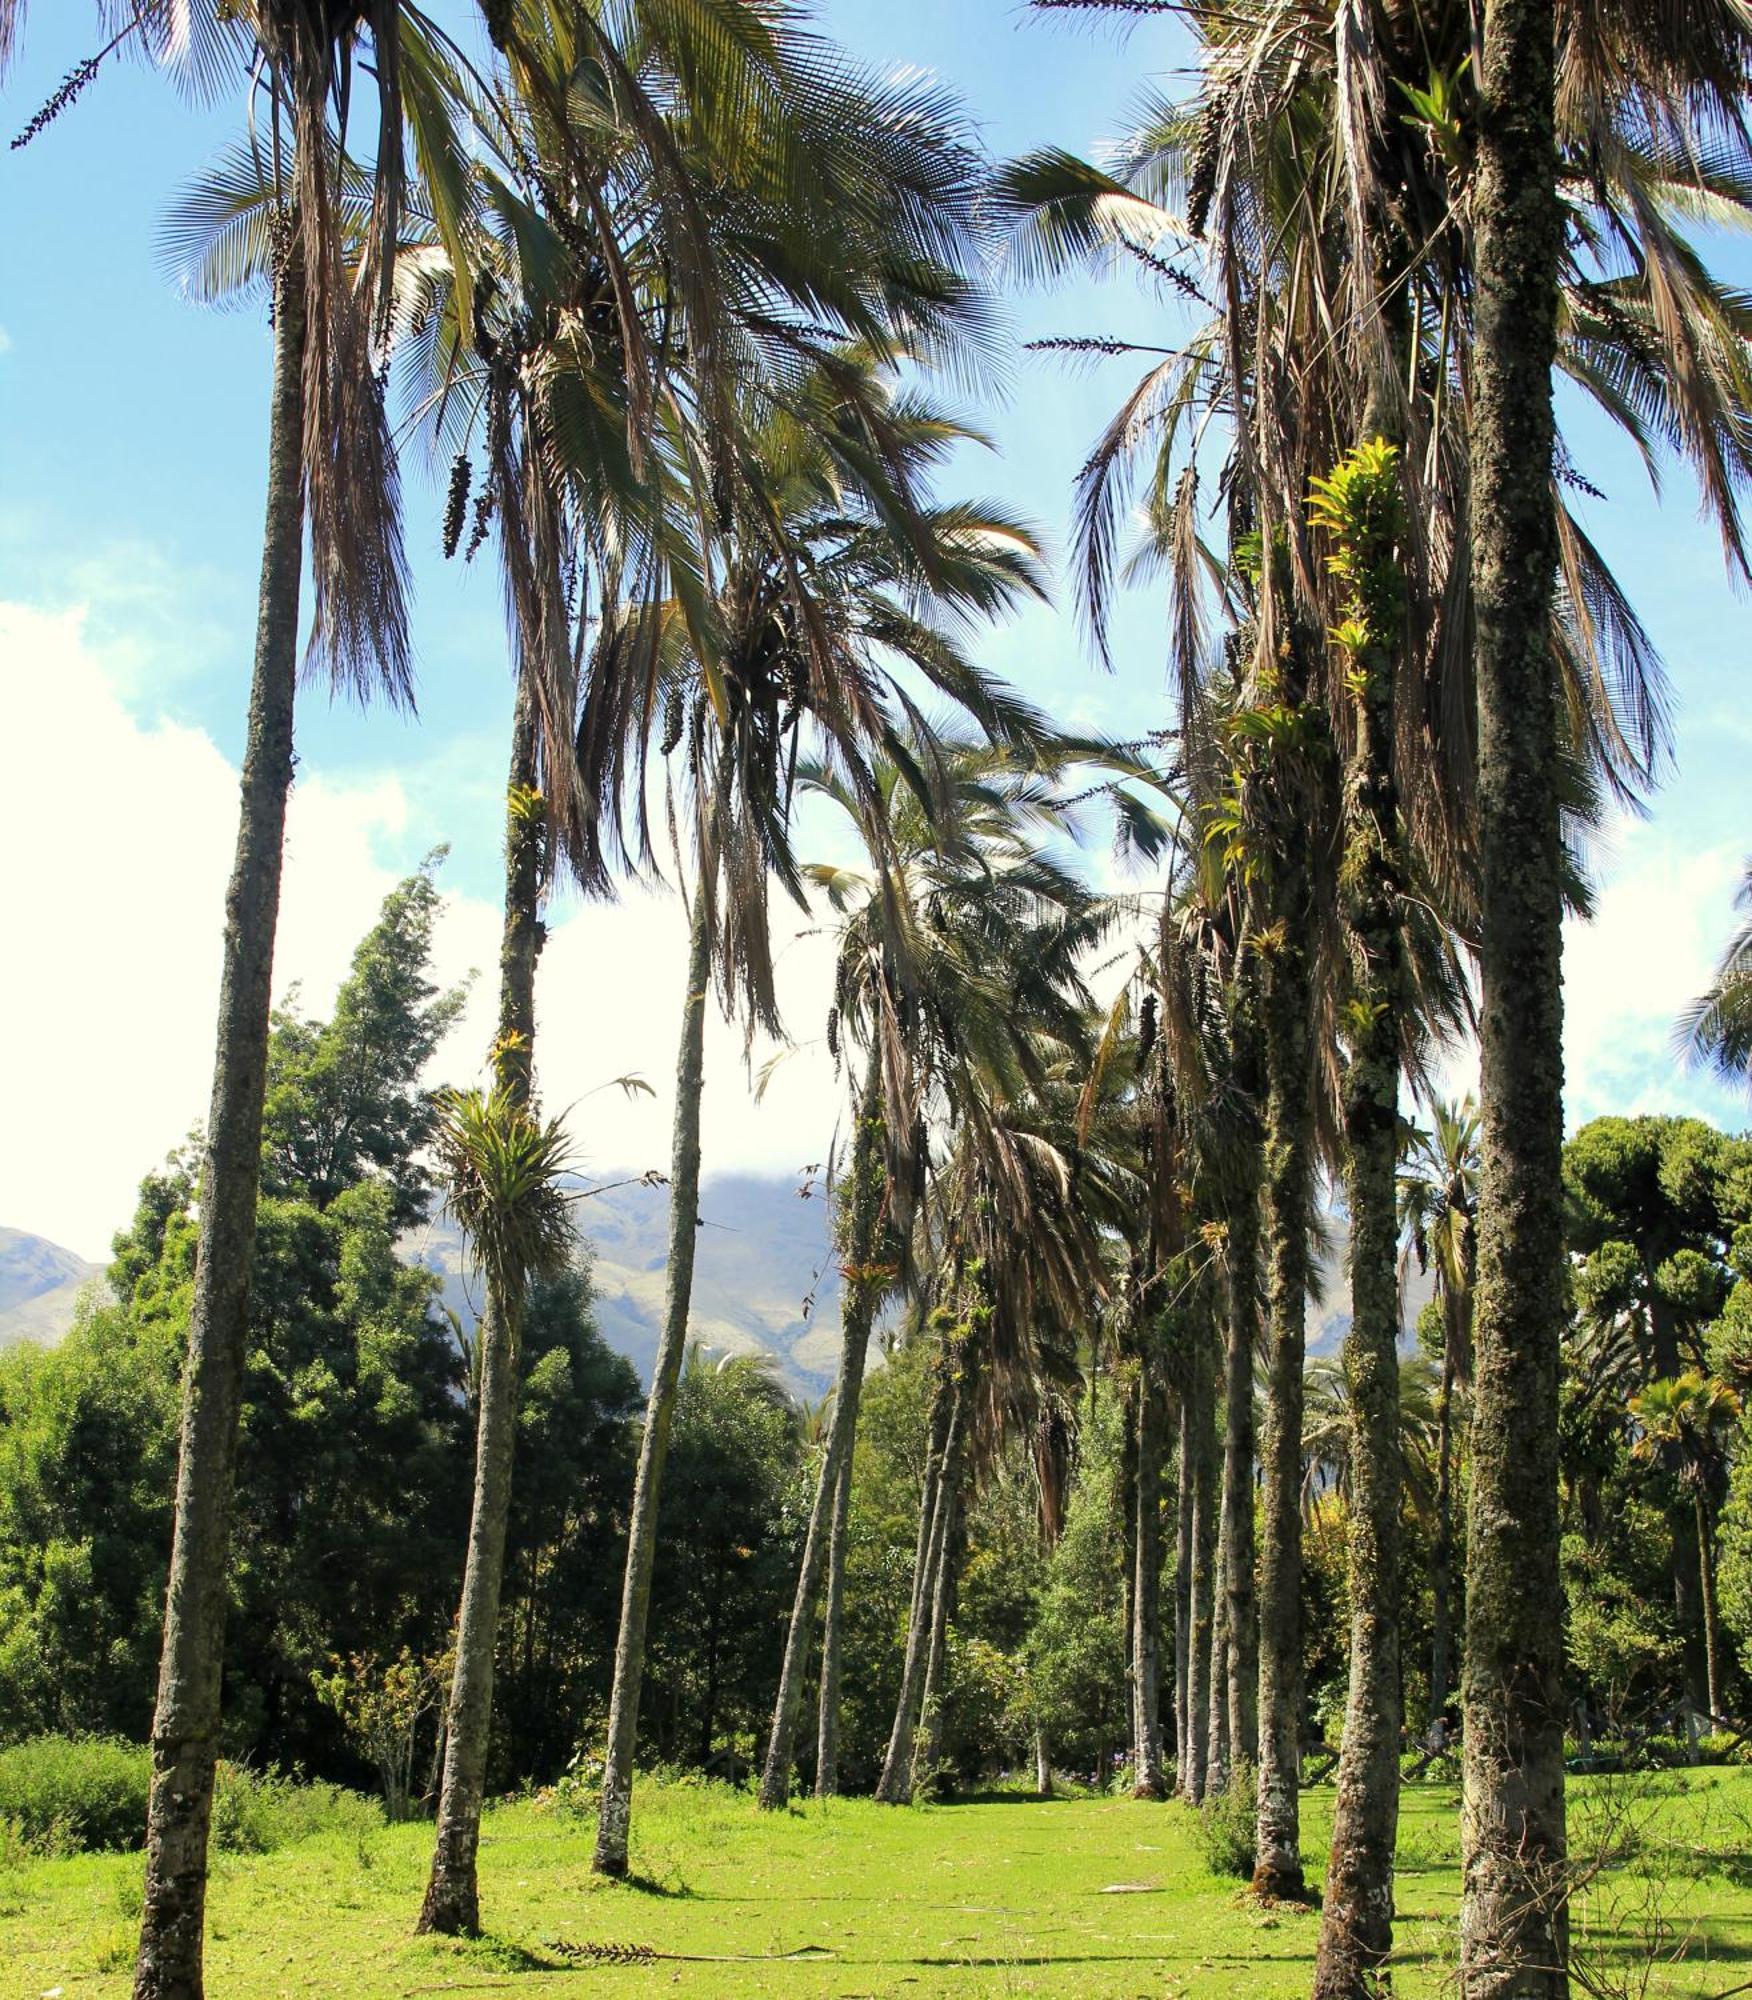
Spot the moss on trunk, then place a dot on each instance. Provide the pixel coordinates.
(1514, 1923)
(1360, 507)
(1289, 1150)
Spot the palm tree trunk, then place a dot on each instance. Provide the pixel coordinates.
(1514, 1942)
(1241, 1621)
(1289, 1153)
(832, 1629)
(1442, 1547)
(1712, 1631)
(614, 1818)
(857, 1314)
(1183, 1584)
(894, 1787)
(928, 1748)
(1201, 1622)
(1147, 1584)
(1356, 1924)
(1217, 1726)
(185, 1725)
(452, 1901)
(452, 1904)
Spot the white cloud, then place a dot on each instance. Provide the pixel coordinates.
(118, 834)
(1664, 913)
(5, 342)
(1663, 910)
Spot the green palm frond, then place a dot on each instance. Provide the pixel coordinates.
(504, 1169)
(1716, 1029)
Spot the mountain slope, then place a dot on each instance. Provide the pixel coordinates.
(764, 1278)
(40, 1283)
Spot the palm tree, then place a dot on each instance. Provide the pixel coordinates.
(1286, 151)
(331, 494)
(1514, 1926)
(1360, 509)
(1438, 1200)
(1329, 1433)
(929, 939)
(1683, 1422)
(1012, 1216)
(1199, 1472)
(1717, 1028)
(505, 1169)
(659, 265)
(840, 579)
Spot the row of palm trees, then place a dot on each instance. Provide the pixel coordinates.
(1399, 220)
(651, 279)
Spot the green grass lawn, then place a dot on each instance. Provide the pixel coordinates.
(1072, 1897)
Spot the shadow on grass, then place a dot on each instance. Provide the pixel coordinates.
(649, 1885)
(505, 1954)
(1041, 1960)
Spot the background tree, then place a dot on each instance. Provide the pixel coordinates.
(504, 1171)
(1438, 1199)
(1683, 1423)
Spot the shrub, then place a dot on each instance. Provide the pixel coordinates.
(64, 1793)
(1222, 1828)
(258, 1812)
(67, 1794)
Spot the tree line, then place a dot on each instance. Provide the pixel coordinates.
(675, 288)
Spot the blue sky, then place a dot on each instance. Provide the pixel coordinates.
(131, 446)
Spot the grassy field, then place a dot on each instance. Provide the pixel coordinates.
(1070, 1897)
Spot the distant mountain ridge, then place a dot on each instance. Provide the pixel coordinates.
(766, 1280)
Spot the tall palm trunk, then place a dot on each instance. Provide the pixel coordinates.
(1202, 1609)
(452, 1902)
(833, 1608)
(863, 1289)
(928, 1746)
(1356, 1925)
(1184, 1483)
(185, 1724)
(1514, 1941)
(1289, 1155)
(1712, 1630)
(1147, 1583)
(1241, 1608)
(1217, 1724)
(1442, 1545)
(942, 1474)
(615, 1816)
